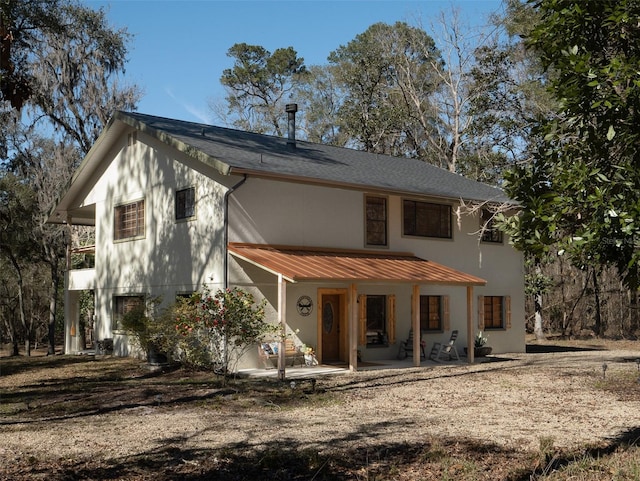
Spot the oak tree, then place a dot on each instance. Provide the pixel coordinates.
(258, 86)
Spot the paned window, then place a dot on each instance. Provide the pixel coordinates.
(426, 219)
(377, 320)
(129, 220)
(376, 222)
(490, 233)
(431, 313)
(185, 203)
(122, 305)
(493, 312)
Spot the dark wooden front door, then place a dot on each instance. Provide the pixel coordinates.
(330, 327)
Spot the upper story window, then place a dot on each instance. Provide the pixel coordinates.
(426, 219)
(186, 203)
(129, 220)
(490, 233)
(376, 220)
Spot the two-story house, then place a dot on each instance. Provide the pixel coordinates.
(350, 249)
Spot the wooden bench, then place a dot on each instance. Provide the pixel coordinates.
(268, 353)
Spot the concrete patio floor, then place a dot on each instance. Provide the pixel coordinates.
(301, 372)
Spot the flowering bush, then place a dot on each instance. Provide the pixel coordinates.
(216, 329)
(186, 340)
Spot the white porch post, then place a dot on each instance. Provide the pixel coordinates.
(282, 320)
(71, 315)
(353, 328)
(470, 354)
(71, 318)
(415, 324)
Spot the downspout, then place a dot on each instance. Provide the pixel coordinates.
(226, 228)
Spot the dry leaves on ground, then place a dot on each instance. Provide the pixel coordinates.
(93, 416)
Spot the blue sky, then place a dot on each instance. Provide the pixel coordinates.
(179, 47)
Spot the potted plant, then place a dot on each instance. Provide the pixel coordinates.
(480, 349)
(309, 355)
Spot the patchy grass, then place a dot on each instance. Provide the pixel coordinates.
(72, 387)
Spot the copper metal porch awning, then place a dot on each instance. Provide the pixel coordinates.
(297, 264)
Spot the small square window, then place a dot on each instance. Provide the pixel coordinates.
(185, 203)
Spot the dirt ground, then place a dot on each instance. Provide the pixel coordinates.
(63, 414)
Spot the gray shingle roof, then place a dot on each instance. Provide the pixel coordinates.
(246, 152)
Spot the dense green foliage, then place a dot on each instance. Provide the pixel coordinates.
(390, 90)
(58, 79)
(258, 85)
(580, 191)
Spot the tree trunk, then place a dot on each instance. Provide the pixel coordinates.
(537, 327)
(598, 328)
(565, 303)
(53, 305)
(10, 329)
(21, 308)
(633, 311)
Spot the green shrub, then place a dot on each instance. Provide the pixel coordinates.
(214, 330)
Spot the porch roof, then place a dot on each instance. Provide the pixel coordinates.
(297, 264)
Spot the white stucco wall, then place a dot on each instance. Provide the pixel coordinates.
(273, 212)
(173, 256)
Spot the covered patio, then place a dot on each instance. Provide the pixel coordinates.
(292, 265)
(313, 372)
